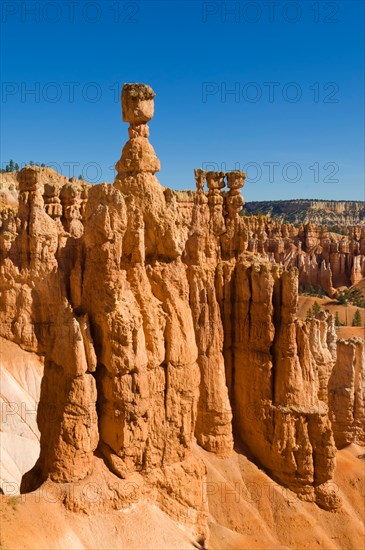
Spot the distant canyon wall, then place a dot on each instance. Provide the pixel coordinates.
(323, 258)
(340, 214)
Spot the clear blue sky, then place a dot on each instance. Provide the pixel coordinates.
(295, 120)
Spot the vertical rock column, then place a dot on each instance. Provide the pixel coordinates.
(215, 182)
(136, 179)
(276, 374)
(52, 202)
(71, 203)
(234, 239)
(38, 238)
(138, 155)
(234, 202)
(213, 428)
(137, 166)
(66, 415)
(147, 374)
(347, 393)
(7, 233)
(200, 176)
(46, 323)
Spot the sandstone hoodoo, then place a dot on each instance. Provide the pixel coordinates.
(166, 330)
(323, 258)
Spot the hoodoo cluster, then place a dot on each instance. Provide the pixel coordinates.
(164, 323)
(216, 181)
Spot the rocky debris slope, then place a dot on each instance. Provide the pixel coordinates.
(247, 509)
(327, 213)
(158, 326)
(20, 382)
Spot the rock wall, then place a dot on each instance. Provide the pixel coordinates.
(278, 370)
(328, 213)
(323, 258)
(159, 323)
(347, 393)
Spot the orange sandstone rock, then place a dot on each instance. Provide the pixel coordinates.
(163, 318)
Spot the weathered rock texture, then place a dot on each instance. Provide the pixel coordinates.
(347, 393)
(20, 381)
(323, 258)
(159, 322)
(8, 190)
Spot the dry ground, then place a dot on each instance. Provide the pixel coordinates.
(247, 510)
(250, 511)
(345, 313)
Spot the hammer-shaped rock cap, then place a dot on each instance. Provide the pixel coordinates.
(215, 180)
(28, 178)
(236, 179)
(137, 103)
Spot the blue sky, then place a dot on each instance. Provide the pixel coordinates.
(294, 119)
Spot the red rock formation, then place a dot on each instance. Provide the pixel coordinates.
(164, 316)
(275, 377)
(347, 393)
(323, 259)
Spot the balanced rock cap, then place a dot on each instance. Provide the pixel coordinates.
(28, 177)
(137, 103)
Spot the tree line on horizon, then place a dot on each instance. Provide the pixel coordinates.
(14, 166)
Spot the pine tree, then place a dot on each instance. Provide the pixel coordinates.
(357, 321)
(316, 308)
(344, 297)
(310, 313)
(320, 292)
(43, 165)
(7, 169)
(311, 290)
(31, 163)
(16, 167)
(11, 166)
(337, 320)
